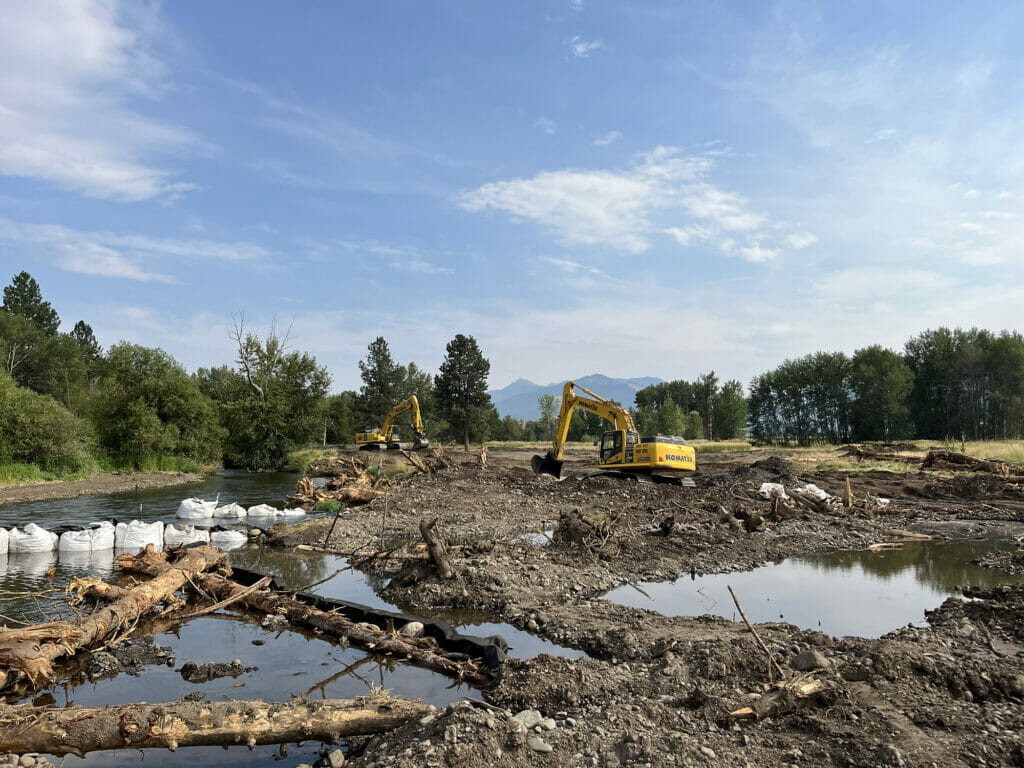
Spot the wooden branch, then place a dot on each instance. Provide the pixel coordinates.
(261, 584)
(420, 651)
(27, 653)
(78, 730)
(437, 549)
(789, 696)
(772, 663)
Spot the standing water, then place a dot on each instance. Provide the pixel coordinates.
(842, 593)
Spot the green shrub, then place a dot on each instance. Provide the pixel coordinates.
(36, 429)
(327, 505)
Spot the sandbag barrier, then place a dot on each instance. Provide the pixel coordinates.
(491, 650)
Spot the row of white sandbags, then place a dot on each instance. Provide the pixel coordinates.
(198, 509)
(133, 536)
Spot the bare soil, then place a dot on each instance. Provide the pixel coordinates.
(656, 690)
(110, 482)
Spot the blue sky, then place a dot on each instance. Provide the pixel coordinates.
(632, 188)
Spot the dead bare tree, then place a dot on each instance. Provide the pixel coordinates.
(251, 352)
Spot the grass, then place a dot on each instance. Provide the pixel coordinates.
(711, 446)
(299, 461)
(14, 472)
(1003, 450)
(150, 463)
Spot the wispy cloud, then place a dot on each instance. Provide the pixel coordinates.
(399, 257)
(108, 254)
(664, 191)
(70, 74)
(546, 124)
(609, 138)
(581, 48)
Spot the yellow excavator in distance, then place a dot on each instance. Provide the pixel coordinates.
(623, 451)
(386, 437)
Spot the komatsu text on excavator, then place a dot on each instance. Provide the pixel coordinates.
(386, 437)
(623, 451)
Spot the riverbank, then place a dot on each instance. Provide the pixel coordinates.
(105, 482)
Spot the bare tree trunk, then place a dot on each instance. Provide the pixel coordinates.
(436, 547)
(466, 433)
(27, 653)
(77, 730)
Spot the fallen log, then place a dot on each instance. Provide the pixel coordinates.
(861, 454)
(78, 730)
(420, 651)
(884, 546)
(26, 654)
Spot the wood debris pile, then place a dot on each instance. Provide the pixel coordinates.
(352, 486)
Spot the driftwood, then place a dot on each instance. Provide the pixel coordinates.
(788, 697)
(353, 487)
(27, 653)
(436, 547)
(813, 503)
(78, 730)
(860, 453)
(416, 461)
(884, 546)
(848, 496)
(437, 460)
(483, 455)
(420, 651)
(940, 459)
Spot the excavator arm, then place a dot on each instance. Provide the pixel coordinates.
(551, 463)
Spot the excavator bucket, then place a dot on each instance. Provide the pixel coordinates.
(420, 442)
(547, 465)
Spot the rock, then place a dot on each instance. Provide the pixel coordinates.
(888, 755)
(529, 718)
(538, 744)
(708, 752)
(27, 760)
(275, 622)
(412, 629)
(336, 759)
(548, 724)
(810, 658)
(102, 664)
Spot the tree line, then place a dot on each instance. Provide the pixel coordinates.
(946, 384)
(67, 406)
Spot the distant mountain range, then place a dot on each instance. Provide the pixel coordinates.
(519, 399)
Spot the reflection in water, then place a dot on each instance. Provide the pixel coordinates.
(842, 593)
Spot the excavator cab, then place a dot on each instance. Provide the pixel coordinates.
(617, 447)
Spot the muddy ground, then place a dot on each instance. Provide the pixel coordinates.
(658, 691)
(110, 482)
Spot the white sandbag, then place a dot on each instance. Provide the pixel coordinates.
(32, 539)
(294, 512)
(103, 536)
(134, 536)
(75, 541)
(264, 510)
(195, 509)
(770, 490)
(226, 540)
(232, 510)
(186, 534)
(4, 541)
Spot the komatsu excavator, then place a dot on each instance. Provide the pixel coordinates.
(386, 437)
(623, 451)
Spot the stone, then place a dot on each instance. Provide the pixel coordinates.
(708, 752)
(27, 761)
(888, 755)
(810, 658)
(529, 718)
(538, 744)
(548, 724)
(412, 629)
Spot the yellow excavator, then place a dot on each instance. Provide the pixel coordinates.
(386, 437)
(623, 451)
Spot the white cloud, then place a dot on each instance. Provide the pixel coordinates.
(549, 126)
(400, 257)
(663, 191)
(576, 5)
(67, 74)
(109, 254)
(581, 48)
(800, 240)
(609, 138)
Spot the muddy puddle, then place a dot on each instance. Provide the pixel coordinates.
(860, 593)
